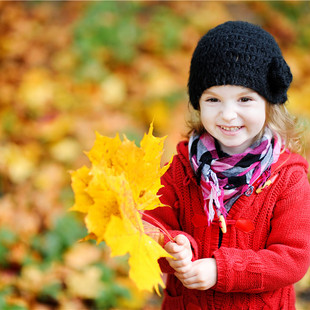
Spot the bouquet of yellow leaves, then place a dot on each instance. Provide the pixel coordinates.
(122, 181)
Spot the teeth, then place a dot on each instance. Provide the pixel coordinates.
(231, 128)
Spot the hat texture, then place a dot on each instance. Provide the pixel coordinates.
(243, 54)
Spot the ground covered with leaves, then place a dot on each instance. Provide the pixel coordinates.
(69, 69)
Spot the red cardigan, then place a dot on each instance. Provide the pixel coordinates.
(267, 245)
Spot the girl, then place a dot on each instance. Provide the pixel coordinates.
(237, 193)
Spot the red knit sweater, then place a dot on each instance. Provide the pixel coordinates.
(266, 248)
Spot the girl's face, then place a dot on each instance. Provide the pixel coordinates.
(233, 115)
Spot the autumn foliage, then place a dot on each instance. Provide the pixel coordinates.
(73, 68)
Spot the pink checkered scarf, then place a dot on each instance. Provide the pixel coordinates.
(223, 177)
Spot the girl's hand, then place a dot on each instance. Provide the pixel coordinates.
(201, 276)
(182, 252)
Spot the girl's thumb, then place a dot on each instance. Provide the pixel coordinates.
(182, 240)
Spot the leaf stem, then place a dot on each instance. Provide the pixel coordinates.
(159, 225)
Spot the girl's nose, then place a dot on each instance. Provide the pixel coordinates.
(228, 112)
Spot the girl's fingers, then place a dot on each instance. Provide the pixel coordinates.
(183, 270)
(192, 282)
(181, 251)
(182, 240)
(180, 266)
(187, 277)
(181, 263)
(173, 248)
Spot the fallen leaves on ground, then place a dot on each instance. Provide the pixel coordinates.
(70, 68)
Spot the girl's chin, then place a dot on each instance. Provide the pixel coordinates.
(236, 148)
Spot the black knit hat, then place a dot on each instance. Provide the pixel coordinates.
(243, 54)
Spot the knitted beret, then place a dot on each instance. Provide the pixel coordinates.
(243, 54)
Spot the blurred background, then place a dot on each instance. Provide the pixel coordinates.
(68, 69)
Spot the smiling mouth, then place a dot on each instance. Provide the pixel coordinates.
(232, 128)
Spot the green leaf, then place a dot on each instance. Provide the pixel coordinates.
(167, 28)
(51, 291)
(7, 239)
(108, 31)
(3, 256)
(52, 244)
(108, 298)
(7, 290)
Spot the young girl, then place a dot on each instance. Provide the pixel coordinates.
(237, 193)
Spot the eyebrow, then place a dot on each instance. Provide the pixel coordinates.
(242, 93)
(207, 92)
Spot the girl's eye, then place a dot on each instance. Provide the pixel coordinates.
(245, 99)
(212, 100)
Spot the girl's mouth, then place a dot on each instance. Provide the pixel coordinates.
(230, 128)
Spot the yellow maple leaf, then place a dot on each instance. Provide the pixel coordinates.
(104, 150)
(80, 180)
(144, 253)
(123, 180)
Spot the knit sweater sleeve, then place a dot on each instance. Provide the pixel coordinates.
(168, 216)
(286, 256)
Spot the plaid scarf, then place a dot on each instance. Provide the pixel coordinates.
(223, 177)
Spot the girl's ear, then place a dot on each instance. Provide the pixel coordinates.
(279, 78)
